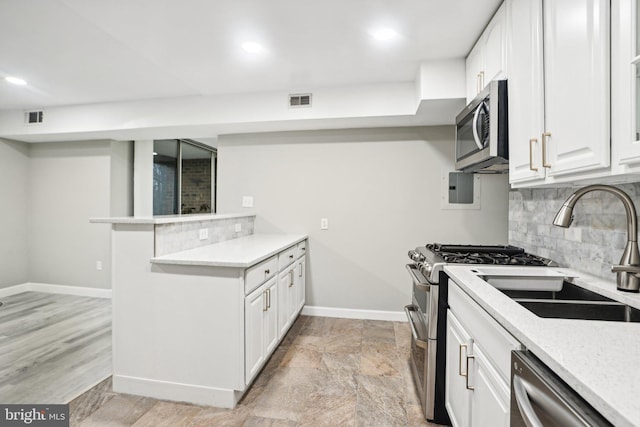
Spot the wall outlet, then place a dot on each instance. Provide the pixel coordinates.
(247, 201)
(98, 265)
(324, 223)
(238, 228)
(203, 233)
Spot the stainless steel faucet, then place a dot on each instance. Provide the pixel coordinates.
(629, 268)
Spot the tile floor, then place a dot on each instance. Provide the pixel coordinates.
(326, 372)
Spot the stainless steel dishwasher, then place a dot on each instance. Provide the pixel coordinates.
(540, 399)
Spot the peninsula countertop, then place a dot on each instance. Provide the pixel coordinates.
(242, 252)
(599, 360)
(167, 219)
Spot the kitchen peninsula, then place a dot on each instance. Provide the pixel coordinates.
(199, 304)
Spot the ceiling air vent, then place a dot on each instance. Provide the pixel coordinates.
(298, 100)
(33, 117)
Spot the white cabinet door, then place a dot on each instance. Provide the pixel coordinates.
(300, 285)
(559, 97)
(577, 99)
(285, 284)
(255, 307)
(525, 89)
(487, 59)
(490, 398)
(270, 325)
(494, 37)
(473, 67)
(625, 90)
(457, 394)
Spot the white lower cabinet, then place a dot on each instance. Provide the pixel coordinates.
(300, 285)
(478, 364)
(261, 327)
(457, 398)
(271, 309)
(285, 286)
(291, 287)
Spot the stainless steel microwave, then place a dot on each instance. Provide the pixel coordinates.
(482, 132)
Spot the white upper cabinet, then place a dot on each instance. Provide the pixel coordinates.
(559, 98)
(487, 59)
(576, 82)
(525, 88)
(625, 96)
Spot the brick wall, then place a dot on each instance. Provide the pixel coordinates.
(196, 186)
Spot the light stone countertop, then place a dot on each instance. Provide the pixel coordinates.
(167, 219)
(242, 252)
(599, 360)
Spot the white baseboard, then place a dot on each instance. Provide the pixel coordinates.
(55, 289)
(165, 390)
(352, 313)
(12, 290)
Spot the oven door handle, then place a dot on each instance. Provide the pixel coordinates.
(419, 342)
(418, 278)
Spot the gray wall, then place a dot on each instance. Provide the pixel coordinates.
(594, 241)
(380, 190)
(14, 184)
(50, 191)
(70, 182)
(121, 178)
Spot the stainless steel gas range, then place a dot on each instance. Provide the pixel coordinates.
(427, 312)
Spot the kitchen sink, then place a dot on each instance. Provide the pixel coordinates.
(569, 291)
(574, 302)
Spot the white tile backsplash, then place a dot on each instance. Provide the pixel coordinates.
(176, 237)
(594, 241)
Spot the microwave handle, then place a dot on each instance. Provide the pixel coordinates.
(476, 137)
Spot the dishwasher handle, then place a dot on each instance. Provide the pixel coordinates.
(524, 404)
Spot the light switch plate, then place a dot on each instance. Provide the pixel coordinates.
(324, 223)
(238, 228)
(203, 233)
(247, 201)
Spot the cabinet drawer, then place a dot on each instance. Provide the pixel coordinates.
(260, 273)
(286, 257)
(494, 340)
(301, 249)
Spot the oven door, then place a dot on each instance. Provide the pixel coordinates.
(425, 301)
(422, 315)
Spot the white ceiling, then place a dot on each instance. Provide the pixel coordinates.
(93, 51)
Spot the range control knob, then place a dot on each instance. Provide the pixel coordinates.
(425, 269)
(416, 256)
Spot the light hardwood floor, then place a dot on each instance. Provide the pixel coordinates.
(326, 372)
(53, 347)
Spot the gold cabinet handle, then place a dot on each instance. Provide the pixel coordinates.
(291, 277)
(532, 141)
(478, 83)
(300, 274)
(481, 80)
(264, 301)
(545, 138)
(268, 298)
(460, 360)
(467, 375)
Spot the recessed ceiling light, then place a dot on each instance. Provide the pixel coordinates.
(384, 34)
(252, 47)
(15, 81)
